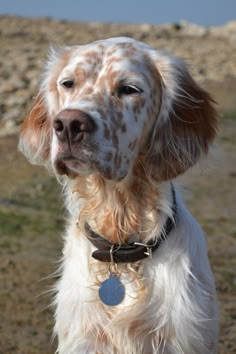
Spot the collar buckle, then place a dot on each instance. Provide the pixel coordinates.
(148, 251)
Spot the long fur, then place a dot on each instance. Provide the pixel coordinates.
(140, 145)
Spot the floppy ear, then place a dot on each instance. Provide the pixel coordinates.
(35, 133)
(186, 124)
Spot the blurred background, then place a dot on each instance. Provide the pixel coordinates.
(210, 12)
(31, 207)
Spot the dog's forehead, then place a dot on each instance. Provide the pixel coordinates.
(108, 52)
(109, 47)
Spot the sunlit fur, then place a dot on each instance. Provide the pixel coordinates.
(170, 303)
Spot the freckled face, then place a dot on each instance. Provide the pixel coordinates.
(113, 83)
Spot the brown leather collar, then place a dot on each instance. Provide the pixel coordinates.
(130, 252)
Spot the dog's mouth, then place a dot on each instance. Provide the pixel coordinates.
(72, 166)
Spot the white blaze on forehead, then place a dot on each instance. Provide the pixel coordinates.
(79, 52)
(118, 40)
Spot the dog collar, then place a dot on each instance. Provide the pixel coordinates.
(129, 252)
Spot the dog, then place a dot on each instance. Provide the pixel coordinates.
(116, 121)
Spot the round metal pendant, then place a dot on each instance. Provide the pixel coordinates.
(112, 291)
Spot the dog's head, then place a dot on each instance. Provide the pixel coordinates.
(104, 105)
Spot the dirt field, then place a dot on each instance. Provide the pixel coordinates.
(32, 218)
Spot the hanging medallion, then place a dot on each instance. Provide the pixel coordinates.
(112, 291)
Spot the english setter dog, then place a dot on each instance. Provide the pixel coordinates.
(116, 121)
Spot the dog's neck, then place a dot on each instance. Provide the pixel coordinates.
(119, 211)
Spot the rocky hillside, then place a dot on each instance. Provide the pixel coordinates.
(210, 51)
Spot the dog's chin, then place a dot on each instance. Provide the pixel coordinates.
(74, 168)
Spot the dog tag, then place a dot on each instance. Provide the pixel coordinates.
(112, 291)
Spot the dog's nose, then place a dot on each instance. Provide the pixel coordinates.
(72, 124)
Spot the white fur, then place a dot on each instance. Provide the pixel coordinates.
(170, 302)
(179, 314)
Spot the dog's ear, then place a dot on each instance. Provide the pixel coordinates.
(186, 123)
(35, 133)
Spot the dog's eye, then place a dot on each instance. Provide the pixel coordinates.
(129, 90)
(67, 83)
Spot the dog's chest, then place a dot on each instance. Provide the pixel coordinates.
(83, 278)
